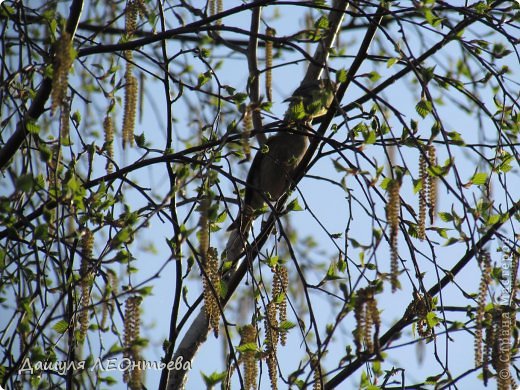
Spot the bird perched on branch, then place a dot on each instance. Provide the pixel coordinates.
(274, 164)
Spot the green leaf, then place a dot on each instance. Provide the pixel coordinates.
(221, 217)
(505, 165)
(280, 298)
(294, 205)
(73, 185)
(286, 325)
(229, 89)
(109, 380)
(446, 217)
(32, 127)
(6, 11)
(417, 185)
(273, 261)
(479, 178)
(391, 62)
(494, 218)
(360, 128)
(499, 51)
(341, 76)
(123, 236)
(145, 291)
(266, 106)
(248, 347)
(76, 118)
(61, 326)
(442, 232)
(481, 7)
(342, 264)
(431, 18)
(374, 76)
(331, 272)
(203, 78)
(296, 111)
(53, 26)
(456, 138)
(204, 52)
(423, 108)
(386, 181)
(370, 138)
(322, 23)
(239, 98)
(432, 319)
(377, 233)
(115, 349)
(213, 378)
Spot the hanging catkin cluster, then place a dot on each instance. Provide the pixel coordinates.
(423, 174)
(210, 272)
(246, 132)
(499, 323)
(489, 341)
(60, 80)
(111, 287)
(216, 7)
(211, 285)
(108, 129)
(249, 357)
(503, 348)
(428, 191)
(497, 347)
(131, 85)
(65, 119)
(61, 67)
(85, 273)
(271, 341)
(132, 323)
(393, 208)
(315, 364)
(203, 233)
(485, 281)
(269, 64)
(432, 185)
(130, 107)
(367, 317)
(280, 285)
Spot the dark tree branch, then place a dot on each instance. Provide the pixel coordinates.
(254, 75)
